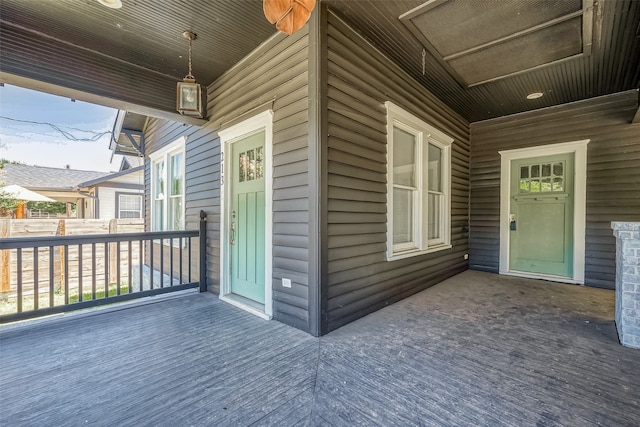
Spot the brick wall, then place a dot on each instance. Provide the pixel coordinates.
(627, 282)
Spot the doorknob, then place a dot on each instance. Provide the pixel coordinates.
(512, 221)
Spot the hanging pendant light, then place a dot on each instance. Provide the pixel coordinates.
(189, 97)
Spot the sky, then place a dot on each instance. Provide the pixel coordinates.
(80, 141)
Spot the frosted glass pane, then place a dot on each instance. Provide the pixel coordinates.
(404, 158)
(402, 216)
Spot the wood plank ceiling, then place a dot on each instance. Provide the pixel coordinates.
(482, 58)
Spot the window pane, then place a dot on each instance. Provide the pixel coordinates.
(129, 206)
(546, 170)
(558, 184)
(259, 163)
(558, 169)
(242, 167)
(524, 171)
(402, 216)
(535, 171)
(435, 168)
(404, 158)
(159, 177)
(434, 220)
(158, 215)
(175, 214)
(177, 174)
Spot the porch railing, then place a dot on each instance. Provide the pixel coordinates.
(146, 264)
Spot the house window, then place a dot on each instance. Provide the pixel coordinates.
(168, 187)
(129, 206)
(418, 193)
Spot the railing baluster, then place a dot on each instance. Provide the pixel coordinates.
(141, 263)
(107, 269)
(51, 290)
(118, 268)
(80, 274)
(151, 264)
(19, 274)
(36, 294)
(162, 263)
(66, 274)
(180, 242)
(171, 262)
(129, 267)
(93, 271)
(189, 259)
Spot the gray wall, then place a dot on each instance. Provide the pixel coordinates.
(275, 76)
(201, 170)
(613, 173)
(359, 280)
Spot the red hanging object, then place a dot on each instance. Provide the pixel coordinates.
(288, 15)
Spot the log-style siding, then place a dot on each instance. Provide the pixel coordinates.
(202, 159)
(275, 75)
(613, 173)
(359, 279)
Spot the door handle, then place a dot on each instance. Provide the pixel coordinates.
(512, 222)
(232, 229)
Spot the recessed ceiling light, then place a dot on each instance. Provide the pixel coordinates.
(535, 95)
(113, 4)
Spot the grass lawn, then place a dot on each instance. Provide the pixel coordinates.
(9, 305)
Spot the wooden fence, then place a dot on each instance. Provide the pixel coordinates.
(16, 228)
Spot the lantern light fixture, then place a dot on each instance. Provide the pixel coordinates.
(189, 94)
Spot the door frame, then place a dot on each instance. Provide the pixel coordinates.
(252, 125)
(579, 150)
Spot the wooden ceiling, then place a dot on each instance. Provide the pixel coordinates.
(137, 53)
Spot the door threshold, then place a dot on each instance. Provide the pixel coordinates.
(551, 278)
(246, 304)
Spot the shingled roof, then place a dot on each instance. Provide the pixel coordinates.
(40, 177)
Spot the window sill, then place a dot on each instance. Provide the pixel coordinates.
(417, 252)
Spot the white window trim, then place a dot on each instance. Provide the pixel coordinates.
(425, 135)
(255, 124)
(579, 148)
(176, 146)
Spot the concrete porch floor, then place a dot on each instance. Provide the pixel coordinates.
(477, 349)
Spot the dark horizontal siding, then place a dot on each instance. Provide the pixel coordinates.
(359, 279)
(202, 171)
(613, 173)
(277, 74)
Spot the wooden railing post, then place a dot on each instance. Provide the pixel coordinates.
(203, 251)
(5, 258)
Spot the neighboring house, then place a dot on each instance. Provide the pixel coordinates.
(384, 147)
(97, 195)
(117, 195)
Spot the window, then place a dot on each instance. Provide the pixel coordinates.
(167, 187)
(129, 206)
(418, 190)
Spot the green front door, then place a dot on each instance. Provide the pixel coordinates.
(247, 216)
(541, 216)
